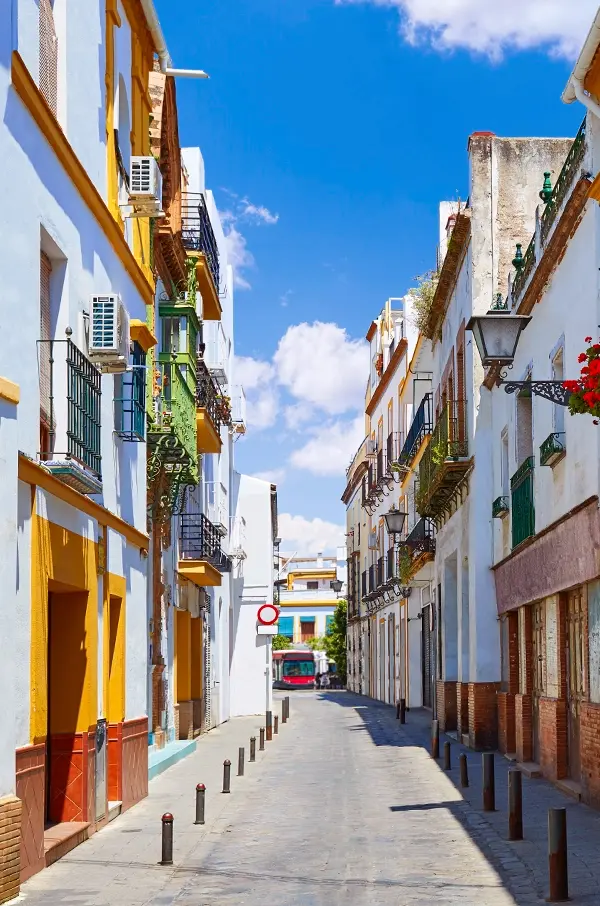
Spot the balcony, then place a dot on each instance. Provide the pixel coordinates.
(500, 507)
(421, 544)
(523, 507)
(381, 573)
(553, 449)
(216, 350)
(201, 246)
(171, 434)
(420, 428)
(238, 409)
(71, 437)
(201, 559)
(444, 463)
(210, 409)
(363, 584)
(392, 569)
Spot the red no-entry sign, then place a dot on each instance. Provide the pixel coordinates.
(268, 614)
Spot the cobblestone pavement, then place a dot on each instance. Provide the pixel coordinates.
(344, 808)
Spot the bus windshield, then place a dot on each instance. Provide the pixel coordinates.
(298, 668)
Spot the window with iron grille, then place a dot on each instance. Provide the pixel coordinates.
(48, 78)
(130, 398)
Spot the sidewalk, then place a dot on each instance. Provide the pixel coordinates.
(119, 865)
(523, 864)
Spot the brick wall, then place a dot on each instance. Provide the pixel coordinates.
(446, 705)
(483, 715)
(506, 723)
(462, 708)
(523, 728)
(10, 842)
(590, 753)
(186, 720)
(553, 738)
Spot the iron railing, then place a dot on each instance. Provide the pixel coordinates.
(421, 539)
(372, 578)
(524, 272)
(393, 447)
(363, 584)
(82, 384)
(130, 405)
(391, 563)
(174, 410)
(380, 469)
(500, 507)
(523, 508)
(421, 426)
(553, 448)
(197, 233)
(563, 184)
(208, 394)
(381, 577)
(199, 539)
(448, 444)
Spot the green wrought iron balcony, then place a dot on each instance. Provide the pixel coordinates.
(444, 462)
(553, 448)
(500, 507)
(523, 504)
(172, 429)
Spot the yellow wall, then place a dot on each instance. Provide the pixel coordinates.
(65, 565)
(115, 591)
(196, 643)
(183, 655)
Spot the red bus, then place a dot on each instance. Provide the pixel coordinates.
(293, 669)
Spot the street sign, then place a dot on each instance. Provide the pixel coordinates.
(268, 615)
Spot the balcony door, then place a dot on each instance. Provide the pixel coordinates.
(538, 627)
(575, 678)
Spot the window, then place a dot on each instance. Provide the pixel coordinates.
(524, 425)
(328, 623)
(45, 356)
(504, 476)
(312, 585)
(558, 374)
(130, 398)
(48, 78)
(285, 627)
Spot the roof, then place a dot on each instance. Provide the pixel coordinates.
(584, 61)
(449, 272)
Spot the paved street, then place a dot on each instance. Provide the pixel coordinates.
(344, 807)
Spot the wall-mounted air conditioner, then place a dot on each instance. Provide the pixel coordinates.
(145, 187)
(109, 341)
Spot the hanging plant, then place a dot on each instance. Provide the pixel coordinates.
(404, 565)
(585, 392)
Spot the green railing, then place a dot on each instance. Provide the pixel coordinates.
(564, 182)
(448, 443)
(553, 448)
(174, 406)
(500, 507)
(524, 272)
(130, 407)
(523, 508)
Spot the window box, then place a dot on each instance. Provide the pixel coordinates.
(500, 507)
(553, 449)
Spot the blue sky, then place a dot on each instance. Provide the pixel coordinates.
(330, 132)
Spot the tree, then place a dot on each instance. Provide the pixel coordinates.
(335, 640)
(280, 643)
(318, 643)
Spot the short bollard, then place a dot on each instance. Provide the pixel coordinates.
(287, 707)
(269, 725)
(557, 855)
(261, 741)
(283, 714)
(435, 739)
(464, 770)
(447, 757)
(276, 724)
(227, 776)
(402, 710)
(253, 748)
(167, 839)
(200, 803)
(397, 710)
(515, 805)
(489, 783)
(241, 756)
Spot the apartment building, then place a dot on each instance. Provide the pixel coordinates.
(308, 590)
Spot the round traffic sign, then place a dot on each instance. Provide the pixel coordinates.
(268, 614)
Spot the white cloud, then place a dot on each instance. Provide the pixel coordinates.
(262, 408)
(494, 28)
(331, 448)
(262, 399)
(275, 476)
(298, 415)
(308, 535)
(252, 373)
(239, 255)
(258, 213)
(319, 364)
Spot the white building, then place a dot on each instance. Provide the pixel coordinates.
(306, 595)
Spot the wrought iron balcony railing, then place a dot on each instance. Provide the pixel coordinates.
(174, 412)
(563, 184)
(421, 426)
(363, 584)
(553, 448)
(209, 396)
(75, 440)
(393, 446)
(500, 507)
(444, 462)
(199, 539)
(523, 507)
(421, 540)
(372, 578)
(197, 233)
(381, 576)
(391, 563)
(380, 465)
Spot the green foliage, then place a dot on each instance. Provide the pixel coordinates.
(281, 643)
(317, 644)
(423, 295)
(404, 565)
(335, 640)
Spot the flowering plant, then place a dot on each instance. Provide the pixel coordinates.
(585, 392)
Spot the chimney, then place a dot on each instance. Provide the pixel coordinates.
(320, 560)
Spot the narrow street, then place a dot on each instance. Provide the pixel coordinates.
(343, 807)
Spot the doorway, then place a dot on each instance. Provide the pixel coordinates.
(538, 628)
(575, 680)
(427, 641)
(307, 629)
(392, 658)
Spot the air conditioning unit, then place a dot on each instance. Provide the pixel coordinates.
(371, 447)
(145, 187)
(109, 341)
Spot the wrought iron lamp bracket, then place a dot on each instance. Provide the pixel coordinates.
(554, 391)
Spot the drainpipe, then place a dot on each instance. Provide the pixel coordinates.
(584, 98)
(157, 34)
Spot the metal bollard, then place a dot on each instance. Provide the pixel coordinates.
(557, 855)
(227, 776)
(276, 724)
(200, 803)
(397, 710)
(167, 839)
(261, 743)
(435, 739)
(464, 770)
(402, 710)
(287, 707)
(241, 756)
(489, 783)
(515, 805)
(269, 725)
(283, 714)
(447, 757)
(253, 748)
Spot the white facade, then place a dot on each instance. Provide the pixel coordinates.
(306, 597)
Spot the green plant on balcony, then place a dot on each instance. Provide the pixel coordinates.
(404, 565)
(423, 295)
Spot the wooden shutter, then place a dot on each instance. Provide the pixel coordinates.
(48, 55)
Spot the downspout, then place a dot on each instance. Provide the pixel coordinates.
(157, 34)
(584, 98)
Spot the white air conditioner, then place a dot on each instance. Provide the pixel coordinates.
(109, 341)
(145, 187)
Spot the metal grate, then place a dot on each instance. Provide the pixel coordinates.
(208, 394)
(421, 426)
(48, 77)
(130, 408)
(197, 233)
(199, 539)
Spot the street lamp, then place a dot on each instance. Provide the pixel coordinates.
(497, 335)
(336, 585)
(394, 521)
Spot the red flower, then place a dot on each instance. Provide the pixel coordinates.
(596, 347)
(588, 339)
(594, 367)
(582, 357)
(571, 386)
(590, 398)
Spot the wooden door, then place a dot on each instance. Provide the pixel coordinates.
(538, 626)
(575, 678)
(307, 630)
